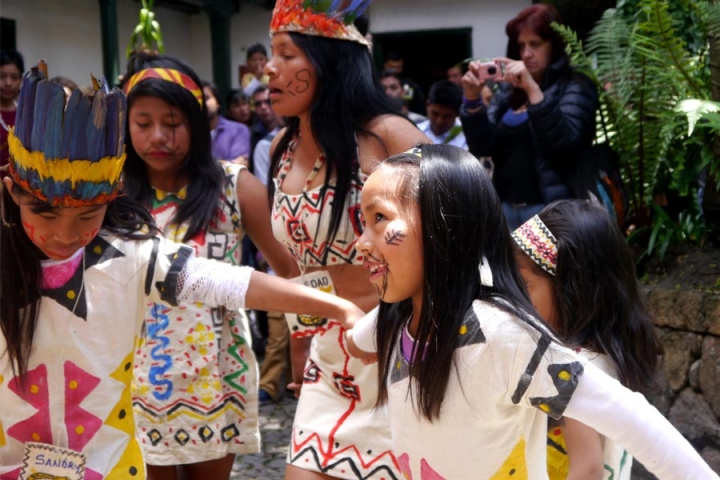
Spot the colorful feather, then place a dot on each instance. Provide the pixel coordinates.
(52, 145)
(115, 123)
(43, 96)
(346, 10)
(95, 130)
(77, 136)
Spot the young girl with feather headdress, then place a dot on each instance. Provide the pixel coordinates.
(80, 262)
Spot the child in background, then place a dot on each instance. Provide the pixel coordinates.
(580, 276)
(467, 370)
(80, 262)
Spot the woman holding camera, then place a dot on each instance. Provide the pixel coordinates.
(539, 121)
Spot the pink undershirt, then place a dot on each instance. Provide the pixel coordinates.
(56, 273)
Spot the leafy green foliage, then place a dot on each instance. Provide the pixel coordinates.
(146, 32)
(647, 65)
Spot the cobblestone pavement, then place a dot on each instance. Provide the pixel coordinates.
(275, 427)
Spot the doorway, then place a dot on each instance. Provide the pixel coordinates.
(427, 54)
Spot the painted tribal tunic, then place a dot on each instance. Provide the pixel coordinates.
(506, 375)
(337, 429)
(195, 386)
(617, 461)
(77, 387)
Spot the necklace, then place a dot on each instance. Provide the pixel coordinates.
(2, 120)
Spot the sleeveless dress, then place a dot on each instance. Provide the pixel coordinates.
(337, 430)
(195, 384)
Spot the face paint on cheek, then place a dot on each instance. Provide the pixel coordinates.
(91, 235)
(303, 77)
(288, 89)
(394, 237)
(30, 231)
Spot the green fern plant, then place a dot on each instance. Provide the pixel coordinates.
(644, 68)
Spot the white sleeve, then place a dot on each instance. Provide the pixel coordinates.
(614, 411)
(250, 89)
(363, 332)
(213, 283)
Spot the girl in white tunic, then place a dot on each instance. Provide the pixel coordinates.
(195, 380)
(580, 276)
(467, 370)
(79, 265)
(340, 124)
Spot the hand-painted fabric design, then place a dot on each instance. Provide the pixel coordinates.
(538, 242)
(76, 392)
(70, 155)
(323, 18)
(504, 369)
(337, 429)
(169, 75)
(617, 461)
(195, 385)
(301, 222)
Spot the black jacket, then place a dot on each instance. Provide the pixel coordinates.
(562, 125)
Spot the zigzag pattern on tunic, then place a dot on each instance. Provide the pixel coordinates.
(291, 215)
(354, 462)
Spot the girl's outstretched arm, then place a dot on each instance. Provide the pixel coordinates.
(219, 284)
(360, 337)
(584, 449)
(603, 404)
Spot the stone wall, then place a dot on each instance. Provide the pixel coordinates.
(688, 322)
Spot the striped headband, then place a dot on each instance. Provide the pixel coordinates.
(168, 75)
(537, 241)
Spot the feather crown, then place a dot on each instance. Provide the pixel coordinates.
(323, 18)
(68, 155)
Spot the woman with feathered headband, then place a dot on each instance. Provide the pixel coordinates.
(80, 264)
(340, 124)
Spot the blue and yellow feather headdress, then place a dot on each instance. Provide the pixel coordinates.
(68, 156)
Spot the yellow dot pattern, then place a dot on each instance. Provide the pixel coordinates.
(79, 429)
(73, 384)
(71, 294)
(97, 249)
(463, 330)
(34, 389)
(564, 375)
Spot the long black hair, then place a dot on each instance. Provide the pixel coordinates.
(461, 221)
(347, 97)
(598, 302)
(205, 173)
(21, 275)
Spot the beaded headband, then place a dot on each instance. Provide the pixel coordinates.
(67, 156)
(169, 75)
(537, 241)
(320, 18)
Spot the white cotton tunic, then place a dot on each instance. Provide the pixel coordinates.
(503, 369)
(506, 373)
(617, 462)
(77, 391)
